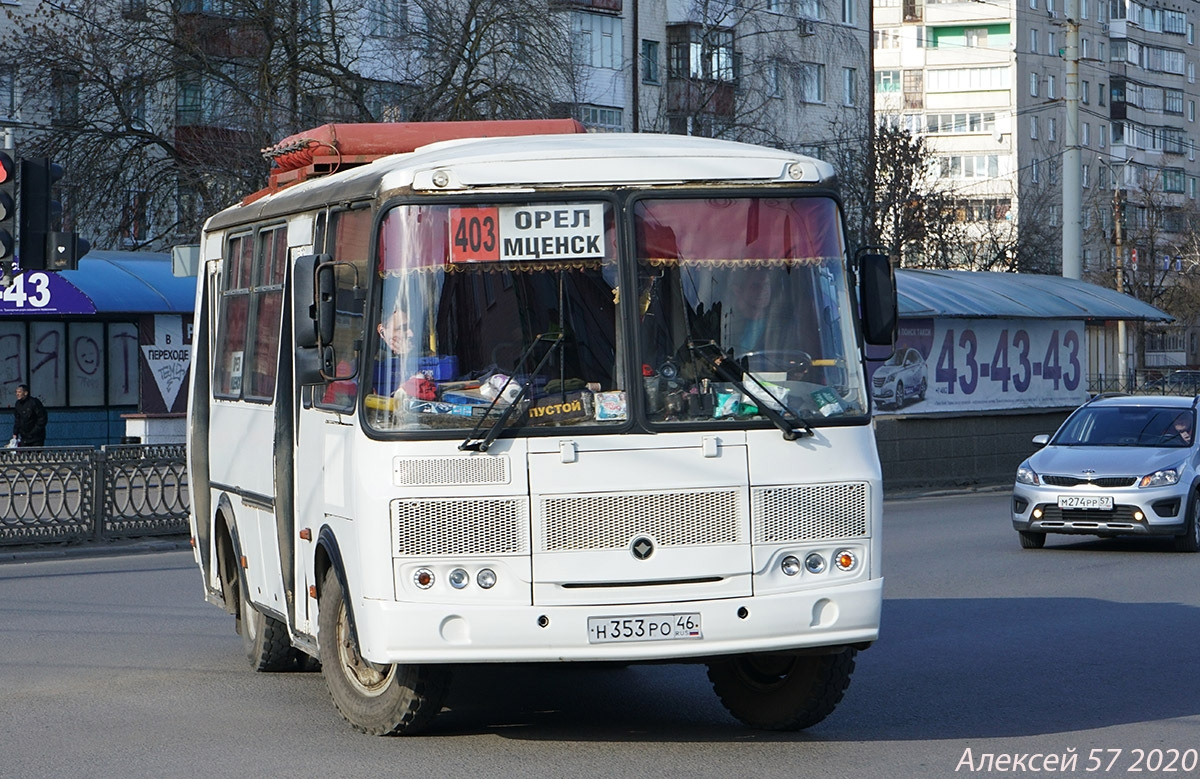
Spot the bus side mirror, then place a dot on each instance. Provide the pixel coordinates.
(304, 315)
(326, 302)
(877, 290)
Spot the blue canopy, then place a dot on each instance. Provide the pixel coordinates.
(107, 282)
(986, 295)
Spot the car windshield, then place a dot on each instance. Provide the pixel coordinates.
(1128, 426)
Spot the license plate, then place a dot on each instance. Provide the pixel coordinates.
(1101, 502)
(648, 627)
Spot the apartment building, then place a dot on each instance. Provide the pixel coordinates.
(985, 83)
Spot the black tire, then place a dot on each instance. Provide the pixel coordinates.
(924, 388)
(899, 394)
(379, 700)
(1030, 540)
(782, 692)
(1190, 541)
(265, 640)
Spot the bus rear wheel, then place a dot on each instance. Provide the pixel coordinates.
(782, 692)
(380, 700)
(265, 640)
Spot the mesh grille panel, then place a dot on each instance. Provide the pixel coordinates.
(809, 513)
(461, 526)
(418, 471)
(610, 521)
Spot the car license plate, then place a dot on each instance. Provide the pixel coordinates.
(648, 627)
(1101, 502)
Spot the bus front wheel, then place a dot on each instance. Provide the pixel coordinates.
(380, 700)
(782, 692)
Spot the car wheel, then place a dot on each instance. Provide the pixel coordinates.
(922, 389)
(899, 394)
(1190, 541)
(1030, 540)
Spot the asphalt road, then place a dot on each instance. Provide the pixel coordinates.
(115, 667)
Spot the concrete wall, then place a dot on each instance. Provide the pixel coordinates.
(919, 452)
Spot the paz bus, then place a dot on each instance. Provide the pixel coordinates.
(506, 392)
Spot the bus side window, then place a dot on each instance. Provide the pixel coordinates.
(349, 239)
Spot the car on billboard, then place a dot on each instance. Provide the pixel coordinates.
(899, 379)
(1119, 465)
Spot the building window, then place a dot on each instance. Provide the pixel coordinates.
(602, 118)
(1173, 179)
(1033, 127)
(1191, 111)
(1086, 176)
(887, 81)
(8, 95)
(1085, 91)
(1033, 84)
(701, 54)
(1100, 95)
(810, 82)
(1033, 41)
(387, 18)
(1051, 83)
(597, 39)
(1085, 134)
(650, 54)
(976, 37)
(1052, 129)
(849, 86)
(1034, 171)
(65, 86)
(135, 217)
(849, 12)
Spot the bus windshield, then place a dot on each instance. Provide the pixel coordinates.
(740, 310)
(759, 282)
(475, 298)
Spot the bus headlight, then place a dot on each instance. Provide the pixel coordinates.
(458, 578)
(814, 563)
(486, 578)
(790, 565)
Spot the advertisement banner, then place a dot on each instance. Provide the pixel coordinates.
(950, 365)
(165, 360)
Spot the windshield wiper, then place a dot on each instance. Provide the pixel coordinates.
(476, 444)
(791, 423)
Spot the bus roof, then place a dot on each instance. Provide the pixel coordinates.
(541, 162)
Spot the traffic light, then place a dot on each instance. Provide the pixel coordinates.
(8, 206)
(44, 246)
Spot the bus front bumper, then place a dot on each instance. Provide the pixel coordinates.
(392, 632)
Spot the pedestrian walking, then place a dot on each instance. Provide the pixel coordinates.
(29, 420)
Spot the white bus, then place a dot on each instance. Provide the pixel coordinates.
(545, 397)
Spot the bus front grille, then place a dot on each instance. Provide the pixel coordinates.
(460, 526)
(612, 520)
(809, 512)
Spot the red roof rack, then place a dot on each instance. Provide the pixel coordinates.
(331, 147)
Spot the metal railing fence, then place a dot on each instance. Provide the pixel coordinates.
(81, 493)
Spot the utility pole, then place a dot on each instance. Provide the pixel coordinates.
(1072, 192)
(1122, 355)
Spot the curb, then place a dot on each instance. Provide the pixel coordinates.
(130, 546)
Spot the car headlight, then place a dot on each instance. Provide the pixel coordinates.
(1026, 475)
(1161, 478)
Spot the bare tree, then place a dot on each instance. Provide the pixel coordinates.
(158, 112)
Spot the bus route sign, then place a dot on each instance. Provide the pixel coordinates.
(520, 233)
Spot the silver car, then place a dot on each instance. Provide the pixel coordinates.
(1119, 465)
